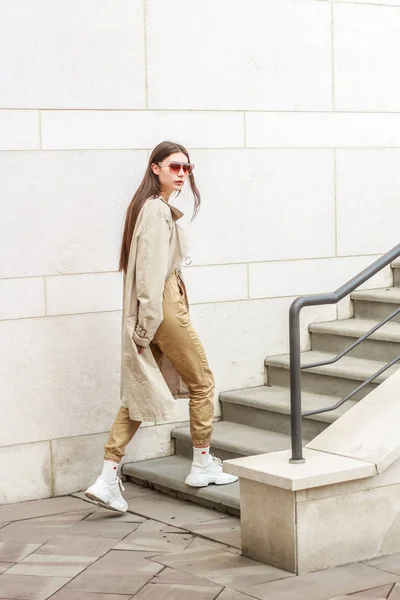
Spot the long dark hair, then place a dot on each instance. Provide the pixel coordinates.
(150, 187)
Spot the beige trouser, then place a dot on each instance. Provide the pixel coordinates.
(178, 341)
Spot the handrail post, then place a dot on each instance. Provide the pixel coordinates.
(295, 383)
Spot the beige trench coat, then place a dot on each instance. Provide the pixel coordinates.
(158, 247)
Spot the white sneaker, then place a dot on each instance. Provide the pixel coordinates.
(201, 476)
(108, 495)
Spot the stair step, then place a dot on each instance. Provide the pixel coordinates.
(168, 475)
(337, 379)
(268, 407)
(232, 440)
(388, 295)
(396, 272)
(336, 336)
(376, 304)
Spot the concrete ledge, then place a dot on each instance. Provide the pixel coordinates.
(319, 469)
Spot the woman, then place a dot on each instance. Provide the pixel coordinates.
(157, 334)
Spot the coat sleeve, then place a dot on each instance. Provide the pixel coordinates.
(151, 272)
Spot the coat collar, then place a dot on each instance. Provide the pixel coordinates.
(176, 213)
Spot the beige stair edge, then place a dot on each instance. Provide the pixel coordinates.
(241, 439)
(386, 295)
(348, 367)
(390, 332)
(168, 476)
(277, 399)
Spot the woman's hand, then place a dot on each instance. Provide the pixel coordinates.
(139, 348)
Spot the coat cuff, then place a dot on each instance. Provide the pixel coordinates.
(140, 336)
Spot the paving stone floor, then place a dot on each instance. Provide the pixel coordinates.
(162, 549)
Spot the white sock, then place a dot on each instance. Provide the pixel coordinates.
(201, 456)
(110, 471)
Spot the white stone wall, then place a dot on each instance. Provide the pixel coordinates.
(290, 111)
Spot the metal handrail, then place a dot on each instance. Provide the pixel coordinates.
(294, 339)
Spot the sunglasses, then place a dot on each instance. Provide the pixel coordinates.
(175, 167)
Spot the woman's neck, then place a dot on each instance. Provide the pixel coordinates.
(165, 196)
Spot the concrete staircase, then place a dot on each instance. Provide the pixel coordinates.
(257, 420)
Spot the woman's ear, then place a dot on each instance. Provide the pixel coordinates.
(155, 168)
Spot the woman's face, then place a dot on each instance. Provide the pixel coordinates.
(171, 178)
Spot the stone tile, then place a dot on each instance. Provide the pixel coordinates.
(87, 546)
(132, 490)
(55, 386)
(253, 46)
(217, 283)
(207, 543)
(168, 591)
(12, 553)
(72, 595)
(27, 587)
(321, 130)
(395, 592)
(357, 183)
(38, 508)
(286, 174)
(22, 297)
(389, 563)
(19, 129)
(74, 467)
(90, 292)
(299, 277)
(104, 528)
(226, 531)
(222, 567)
(49, 220)
(382, 591)
(323, 584)
(157, 538)
(39, 530)
(105, 515)
(169, 510)
(52, 565)
(112, 77)
(228, 594)
(172, 584)
(365, 40)
(172, 576)
(4, 566)
(140, 129)
(355, 597)
(30, 475)
(117, 572)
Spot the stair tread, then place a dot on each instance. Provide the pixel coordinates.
(171, 472)
(241, 439)
(390, 332)
(348, 367)
(387, 295)
(277, 399)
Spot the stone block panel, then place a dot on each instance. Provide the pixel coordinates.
(76, 55)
